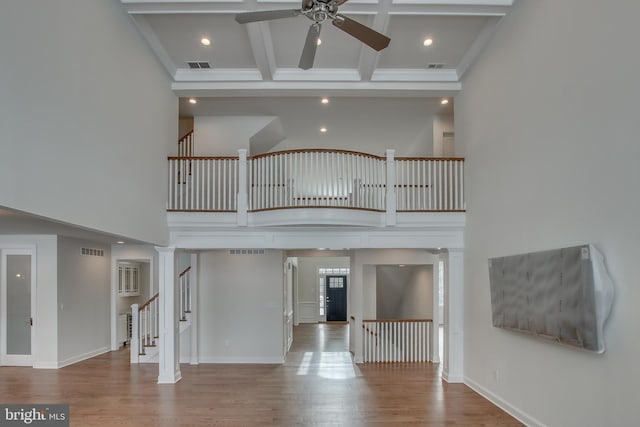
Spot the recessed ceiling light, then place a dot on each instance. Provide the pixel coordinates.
(120, 242)
(319, 41)
(427, 42)
(18, 275)
(325, 100)
(205, 41)
(323, 129)
(193, 101)
(444, 101)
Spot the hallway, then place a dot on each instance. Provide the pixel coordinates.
(317, 385)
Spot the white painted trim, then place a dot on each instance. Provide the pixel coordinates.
(219, 75)
(317, 88)
(414, 75)
(274, 360)
(84, 356)
(324, 74)
(515, 412)
(194, 281)
(313, 216)
(8, 359)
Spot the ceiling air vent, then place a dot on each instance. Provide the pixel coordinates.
(199, 65)
(91, 252)
(435, 66)
(246, 251)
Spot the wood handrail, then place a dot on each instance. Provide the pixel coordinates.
(397, 320)
(451, 159)
(314, 207)
(202, 158)
(185, 271)
(318, 150)
(146, 304)
(185, 136)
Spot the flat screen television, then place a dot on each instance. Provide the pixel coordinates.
(564, 295)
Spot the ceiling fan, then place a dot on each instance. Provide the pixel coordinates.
(319, 11)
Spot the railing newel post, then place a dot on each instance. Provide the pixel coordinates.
(242, 198)
(391, 188)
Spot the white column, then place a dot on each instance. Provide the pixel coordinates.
(169, 342)
(242, 201)
(454, 318)
(434, 337)
(134, 344)
(391, 187)
(194, 309)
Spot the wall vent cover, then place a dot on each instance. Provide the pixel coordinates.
(435, 66)
(91, 252)
(199, 65)
(246, 252)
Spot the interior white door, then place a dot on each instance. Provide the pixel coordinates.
(16, 306)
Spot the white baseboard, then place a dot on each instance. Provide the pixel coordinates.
(45, 365)
(518, 414)
(84, 356)
(256, 360)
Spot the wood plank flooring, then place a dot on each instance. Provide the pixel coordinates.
(317, 386)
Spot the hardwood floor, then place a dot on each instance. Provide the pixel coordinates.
(317, 386)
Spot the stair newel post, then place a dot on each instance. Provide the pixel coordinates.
(169, 326)
(391, 187)
(134, 350)
(242, 202)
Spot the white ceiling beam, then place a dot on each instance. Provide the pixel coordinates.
(150, 36)
(360, 89)
(262, 48)
(369, 57)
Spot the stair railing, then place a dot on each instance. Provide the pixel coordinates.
(393, 340)
(145, 326)
(185, 293)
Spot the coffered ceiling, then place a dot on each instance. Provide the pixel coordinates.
(261, 59)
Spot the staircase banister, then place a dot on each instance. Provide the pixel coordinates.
(148, 303)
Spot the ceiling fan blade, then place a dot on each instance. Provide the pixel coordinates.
(310, 46)
(307, 4)
(265, 15)
(366, 35)
(336, 3)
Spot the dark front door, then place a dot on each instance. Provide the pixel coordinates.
(336, 298)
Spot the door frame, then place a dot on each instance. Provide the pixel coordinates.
(326, 296)
(148, 259)
(13, 359)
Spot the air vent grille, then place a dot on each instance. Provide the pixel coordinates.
(91, 252)
(246, 252)
(435, 66)
(199, 65)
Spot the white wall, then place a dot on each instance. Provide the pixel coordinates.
(240, 307)
(548, 123)
(84, 301)
(225, 135)
(87, 118)
(45, 318)
(361, 124)
(404, 292)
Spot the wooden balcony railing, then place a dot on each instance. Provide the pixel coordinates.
(316, 179)
(392, 340)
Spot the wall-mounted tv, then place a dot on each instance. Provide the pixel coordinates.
(564, 295)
